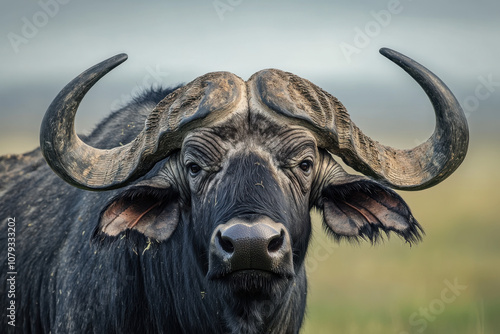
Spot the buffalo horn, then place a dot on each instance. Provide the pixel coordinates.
(300, 102)
(203, 101)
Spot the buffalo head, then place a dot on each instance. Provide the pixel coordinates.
(238, 165)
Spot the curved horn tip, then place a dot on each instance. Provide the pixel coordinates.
(123, 56)
(384, 51)
(57, 134)
(450, 138)
(118, 59)
(392, 54)
(109, 64)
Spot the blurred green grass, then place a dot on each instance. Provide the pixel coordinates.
(376, 289)
(384, 288)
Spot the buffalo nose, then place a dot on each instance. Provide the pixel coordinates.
(258, 238)
(261, 244)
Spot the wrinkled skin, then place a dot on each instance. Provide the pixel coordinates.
(160, 246)
(252, 166)
(153, 277)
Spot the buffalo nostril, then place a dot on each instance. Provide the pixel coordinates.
(260, 244)
(276, 242)
(225, 243)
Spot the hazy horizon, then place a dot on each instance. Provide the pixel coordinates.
(46, 43)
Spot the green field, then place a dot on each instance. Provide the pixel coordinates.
(392, 288)
(380, 289)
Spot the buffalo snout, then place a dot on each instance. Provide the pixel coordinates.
(257, 244)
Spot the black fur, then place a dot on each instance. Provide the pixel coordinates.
(125, 123)
(72, 279)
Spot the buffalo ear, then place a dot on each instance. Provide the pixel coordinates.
(362, 208)
(153, 212)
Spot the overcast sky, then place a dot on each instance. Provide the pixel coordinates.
(44, 44)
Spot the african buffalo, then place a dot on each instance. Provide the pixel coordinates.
(188, 210)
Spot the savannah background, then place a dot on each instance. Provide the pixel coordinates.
(386, 288)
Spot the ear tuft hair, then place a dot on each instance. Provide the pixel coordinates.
(360, 210)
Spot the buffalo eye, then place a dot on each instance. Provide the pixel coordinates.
(194, 169)
(306, 166)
